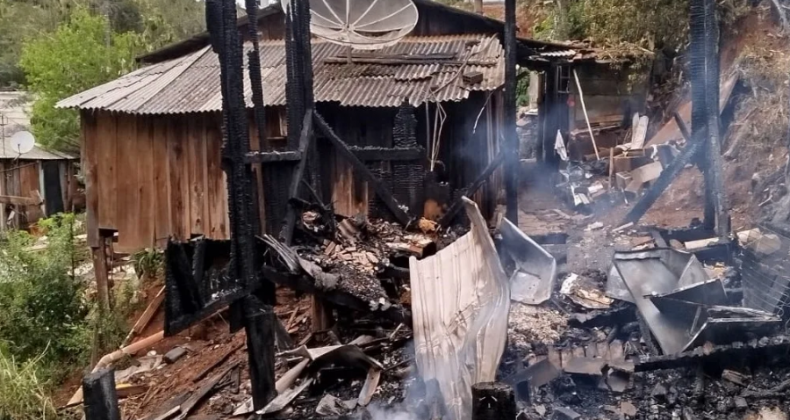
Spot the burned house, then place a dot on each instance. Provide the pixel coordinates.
(151, 140)
(582, 84)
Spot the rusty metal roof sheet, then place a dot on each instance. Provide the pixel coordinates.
(191, 83)
(37, 153)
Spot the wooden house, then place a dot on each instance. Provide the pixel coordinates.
(151, 140)
(35, 184)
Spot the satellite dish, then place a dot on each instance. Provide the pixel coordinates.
(361, 24)
(22, 142)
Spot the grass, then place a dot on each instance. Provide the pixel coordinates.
(23, 394)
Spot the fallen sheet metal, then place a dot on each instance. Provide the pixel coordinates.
(536, 269)
(656, 272)
(680, 313)
(684, 267)
(347, 355)
(685, 300)
(460, 303)
(724, 324)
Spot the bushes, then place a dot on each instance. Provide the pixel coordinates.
(43, 305)
(22, 392)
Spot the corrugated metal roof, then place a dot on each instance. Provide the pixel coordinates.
(560, 54)
(38, 153)
(191, 83)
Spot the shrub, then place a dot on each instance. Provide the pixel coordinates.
(44, 306)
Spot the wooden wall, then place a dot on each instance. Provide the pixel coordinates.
(24, 178)
(152, 177)
(465, 150)
(607, 95)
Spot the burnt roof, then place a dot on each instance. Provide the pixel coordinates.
(201, 40)
(417, 69)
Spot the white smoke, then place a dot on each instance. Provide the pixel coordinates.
(396, 413)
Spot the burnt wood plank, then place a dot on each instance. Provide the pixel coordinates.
(472, 189)
(387, 154)
(305, 138)
(268, 157)
(383, 193)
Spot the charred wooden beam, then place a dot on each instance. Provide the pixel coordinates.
(306, 284)
(305, 140)
(664, 180)
(386, 196)
(510, 145)
(684, 130)
(100, 396)
(366, 154)
(448, 217)
(493, 401)
(260, 324)
(269, 157)
(715, 175)
(773, 350)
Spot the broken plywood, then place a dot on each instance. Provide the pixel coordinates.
(460, 303)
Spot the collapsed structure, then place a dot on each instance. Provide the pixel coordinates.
(355, 232)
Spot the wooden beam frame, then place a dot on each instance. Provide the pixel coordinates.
(381, 190)
(269, 157)
(472, 189)
(387, 154)
(305, 140)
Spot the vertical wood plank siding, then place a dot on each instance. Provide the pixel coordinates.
(153, 177)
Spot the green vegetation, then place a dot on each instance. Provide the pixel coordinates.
(22, 393)
(43, 305)
(74, 58)
(49, 322)
(56, 48)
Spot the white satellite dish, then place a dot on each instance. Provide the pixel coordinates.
(361, 24)
(22, 142)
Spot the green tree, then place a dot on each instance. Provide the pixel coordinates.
(74, 58)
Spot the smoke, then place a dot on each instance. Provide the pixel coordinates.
(377, 412)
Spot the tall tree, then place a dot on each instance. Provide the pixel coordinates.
(75, 58)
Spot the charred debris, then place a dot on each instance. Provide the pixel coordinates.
(453, 319)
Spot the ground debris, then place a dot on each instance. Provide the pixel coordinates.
(528, 324)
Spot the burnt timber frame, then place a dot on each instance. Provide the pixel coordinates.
(705, 144)
(511, 139)
(255, 311)
(378, 186)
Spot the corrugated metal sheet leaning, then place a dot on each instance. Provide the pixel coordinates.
(460, 306)
(190, 83)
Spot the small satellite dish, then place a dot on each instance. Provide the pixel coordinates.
(361, 24)
(22, 142)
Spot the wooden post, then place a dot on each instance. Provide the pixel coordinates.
(587, 118)
(493, 401)
(479, 7)
(101, 273)
(714, 167)
(511, 139)
(259, 319)
(100, 397)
